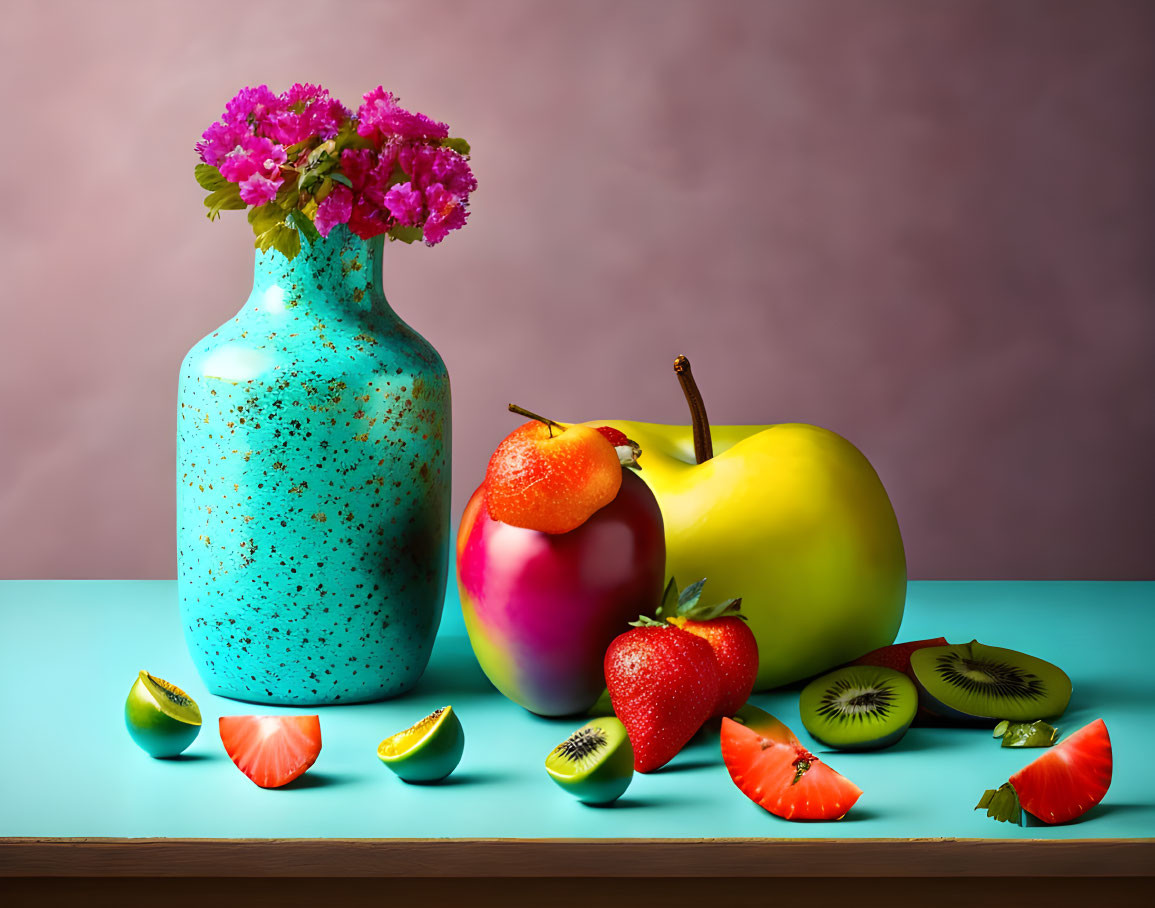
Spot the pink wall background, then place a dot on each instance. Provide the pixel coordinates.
(928, 226)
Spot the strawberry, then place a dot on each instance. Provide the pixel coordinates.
(725, 630)
(663, 684)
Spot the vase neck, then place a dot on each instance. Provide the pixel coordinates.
(337, 274)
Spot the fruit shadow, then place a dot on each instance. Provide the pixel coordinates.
(854, 815)
(911, 742)
(452, 681)
(685, 766)
(467, 778)
(191, 758)
(313, 780)
(1106, 810)
(623, 803)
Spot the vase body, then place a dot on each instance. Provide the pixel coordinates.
(313, 451)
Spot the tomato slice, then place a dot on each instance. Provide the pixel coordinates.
(1070, 778)
(271, 750)
(783, 777)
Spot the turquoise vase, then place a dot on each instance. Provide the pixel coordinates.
(313, 447)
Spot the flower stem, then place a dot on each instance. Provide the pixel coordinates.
(703, 444)
(550, 424)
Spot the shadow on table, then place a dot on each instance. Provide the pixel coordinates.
(191, 758)
(1116, 810)
(453, 672)
(314, 780)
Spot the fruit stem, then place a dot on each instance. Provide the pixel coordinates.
(703, 444)
(550, 424)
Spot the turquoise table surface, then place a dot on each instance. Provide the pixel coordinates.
(70, 650)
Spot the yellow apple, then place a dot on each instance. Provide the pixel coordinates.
(794, 520)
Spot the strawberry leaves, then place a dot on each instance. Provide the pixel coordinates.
(1001, 804)
(687, 604)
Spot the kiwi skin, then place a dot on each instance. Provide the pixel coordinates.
(952, 705)
(861, 732)
(604, 781)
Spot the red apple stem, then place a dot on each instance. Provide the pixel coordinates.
(703, 444)
(550, 424)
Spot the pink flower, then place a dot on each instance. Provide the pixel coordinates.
(251, 107)
(245, 115)
(368, 219)
(405, 177)
(257, 189)
(404, 203)
(368, 171)
(305, 111)
(254, 157)
(429, 164)
(380, 118)
(334, 209)
(446, 212)
(219, 139)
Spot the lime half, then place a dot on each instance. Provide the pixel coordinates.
(596, 763)
(427, 751)
(161, 718)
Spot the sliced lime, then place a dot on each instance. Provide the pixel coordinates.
(427, 751)
(161, 718)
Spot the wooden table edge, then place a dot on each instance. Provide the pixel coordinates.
(516, 858)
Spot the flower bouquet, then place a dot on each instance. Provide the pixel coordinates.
(305, 163)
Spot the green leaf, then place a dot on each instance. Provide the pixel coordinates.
(646, 621)
(1028, 734)
(227, 198)
(287, 241)
(669, 600)
(309, 179)
(209, 177)
(305, 226)
(342, 179)
(690, 595)
(397, 176)
(281, 237)
(294, 151)
(406, 234)
(457, 144)
(1001, 804)
(288, 195)
(325, 149)
(717, 610)
(265, 217)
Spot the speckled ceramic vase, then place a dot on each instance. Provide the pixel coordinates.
(313, 449)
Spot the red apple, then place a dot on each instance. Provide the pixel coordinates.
(541, 607)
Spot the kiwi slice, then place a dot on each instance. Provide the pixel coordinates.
(971, 682)
(859, 707)
(596, 763)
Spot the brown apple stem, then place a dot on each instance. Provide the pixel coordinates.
(703, 444)
(550, 424)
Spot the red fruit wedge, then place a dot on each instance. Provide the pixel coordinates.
(897, 655)
(271, 750)
(784, 778)
(1069, 779)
